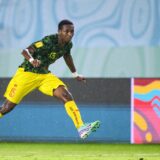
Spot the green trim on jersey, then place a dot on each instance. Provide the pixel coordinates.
(47, 51)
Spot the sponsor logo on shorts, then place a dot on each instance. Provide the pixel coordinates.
(13, 91)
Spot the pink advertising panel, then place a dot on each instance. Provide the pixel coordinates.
(145, 110)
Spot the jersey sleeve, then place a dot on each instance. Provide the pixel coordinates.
(41, 45)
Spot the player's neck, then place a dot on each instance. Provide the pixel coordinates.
(60, 42)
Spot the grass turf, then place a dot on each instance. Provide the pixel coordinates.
(64, 151)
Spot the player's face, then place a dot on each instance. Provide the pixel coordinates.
(66, 33)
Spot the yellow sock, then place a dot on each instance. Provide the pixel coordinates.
(73, 112)
(1, 115)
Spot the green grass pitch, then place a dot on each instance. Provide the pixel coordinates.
(68, 151)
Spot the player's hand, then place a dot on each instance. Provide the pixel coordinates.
(79, 77)
(35, 62)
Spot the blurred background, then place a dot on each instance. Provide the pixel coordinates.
(114, 41)
(118, 38)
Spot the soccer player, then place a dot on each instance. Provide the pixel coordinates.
(33, 74)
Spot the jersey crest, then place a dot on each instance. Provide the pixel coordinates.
(52, 55)
(39, 44)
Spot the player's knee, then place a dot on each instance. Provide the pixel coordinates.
(63, 94)
(67, 96)
(7, 107)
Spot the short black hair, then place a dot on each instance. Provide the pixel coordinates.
(64, 22)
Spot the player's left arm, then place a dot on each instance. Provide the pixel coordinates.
(69, 61)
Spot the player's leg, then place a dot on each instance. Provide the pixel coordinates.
(71, 108)
(84, 129)
(20, 85)
(6, 107)
(53, 86)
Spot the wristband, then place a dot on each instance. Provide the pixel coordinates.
(31, 60)
(75, 74)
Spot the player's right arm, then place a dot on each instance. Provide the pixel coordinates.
(37, 47)
(27, 53)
